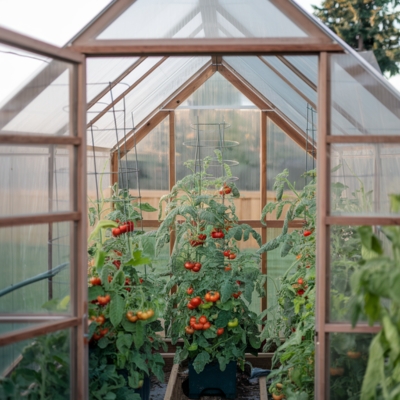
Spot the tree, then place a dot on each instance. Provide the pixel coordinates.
(366, 25)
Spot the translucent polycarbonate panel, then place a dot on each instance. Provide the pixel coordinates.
(294, 79)
(306, 65)
(152, 19)
(366, 104)
(35, 268)
(276, 268)
(98, 175)
(35, 179)
(146, 98)
(40, 102)
(283, 153)
(346, 252)
(241, 152)
(103, 71)
(364, 175)
(152, 169)
(217, 93)
(42, 367)
(347, 364)
(272, 87)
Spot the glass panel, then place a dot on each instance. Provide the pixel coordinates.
(38, 100)
(366, 175)
(102, 71)
(35, 179)
(36, 368)
(306, 65)
(348, 362)
(283, 153)
(152, 155)
(362, 104)
(35, 266)
(270, 85)
(145, 99)
(147, 19)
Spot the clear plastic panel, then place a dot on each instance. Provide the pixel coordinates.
(37, 94)
(348, 363)
(145, 98)
(35, 179)
(366, 104)
(306, 65)
(152, 156)
(35, 268)
(276, 90)
(153, 19)
(364, 175)
(40, 367)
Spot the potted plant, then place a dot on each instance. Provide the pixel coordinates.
(214, 279)
(125, 302)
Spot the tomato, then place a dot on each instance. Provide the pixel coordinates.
(189, 330)
(195, 243)
(298, 256)
(198, 327)
(206, 326)
(130, 226)
(228, 268)
(217, 235)
(103, 300)
(220, 331)
(190, 307)
(116, 232)
(110, 278)
(99, 320)
(300, 292)
(338, 371)
(117, 263)
(141, 280)
(145, 314)
(225, 190)
(140, 384)
(300, 281)
(192, 321)
(130, 316)
(202, 237)
(127, 281)
(307, 233)
(103, 332)
(277, 396)
(206, 305)
(189, 265)
(96, 336)
(233, 323)
(236, 295)
(212, 296)
(197, 265)
(196, 268)
(232, 256)
(307, 266)
(203, 319)
(118, 253)
(189, 291)
(95, 281)
(123, 228)
(195, 301)
(354, 354)
(239, 282)
(226, 253)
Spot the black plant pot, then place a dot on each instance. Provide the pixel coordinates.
(144, 391)
(212, 381)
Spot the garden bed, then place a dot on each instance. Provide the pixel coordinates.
(178, 386)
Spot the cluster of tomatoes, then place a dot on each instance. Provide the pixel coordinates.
(301, 285)
(199, 241)
(217, 234)
(99, 333)
(123, 228)
(225, 189)
(193, 266)
(228, 254)
(139, 315)
(103, 300)
(198, 324)
(210, 298)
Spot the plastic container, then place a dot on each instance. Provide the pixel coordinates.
(144, 391)
(212, 381)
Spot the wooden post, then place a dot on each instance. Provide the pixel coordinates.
(263, 195)
(172, 173)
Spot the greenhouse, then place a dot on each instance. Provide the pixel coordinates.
(196, 193)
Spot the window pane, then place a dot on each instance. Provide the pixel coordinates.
(35, 268)
(35, 179)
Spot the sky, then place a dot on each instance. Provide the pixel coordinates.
(45, 20)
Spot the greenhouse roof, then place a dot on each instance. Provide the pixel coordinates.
(128, 94)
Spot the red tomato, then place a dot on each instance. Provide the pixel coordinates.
(116, 232)
(300, 292)
(232, 256)
(220, 331)
(228, 268)
(236, 295)
(307, 233)
(206, 326)
(198, 327)
(226, 253)
(189, 291)
(202, 237)
(123, 228)
(196, 301)
(203, 319)
(117, 263)
(190, 306)
(300, 281)
(189, 265)
(197, 268)
(95, 281)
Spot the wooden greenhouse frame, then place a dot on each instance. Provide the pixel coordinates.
(320, 42)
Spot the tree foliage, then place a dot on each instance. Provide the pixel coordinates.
(366, 25)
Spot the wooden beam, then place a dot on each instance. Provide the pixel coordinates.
(290, 84)
(263, 197)
(364, 139)
(297, 72)
(348, 328)
(205, 46)
(365, 220)
(45, 140)
(31, 332)
(115, 82)
(123, 94)
(14, 39)
(158, 115)
(261, 102)
(39, 219)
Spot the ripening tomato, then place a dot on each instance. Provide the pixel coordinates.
(189, 265)
(130, 226)
(226, 253)
(103, 332)
(212, 296)
(130, 316)
(203, 319)
(300, 292)
(307, 233)
(103, 300)
(189, 330)
(95, 281)
(189, 291)
(228, 268)
(195, 301)
(206, 326)
(116, 232)
(197, 267)
(117, 263)
(300, 281)
(236, 295)
(110, 278)
(198, 326)
(232, 256)
(202, 237)
(220, 331)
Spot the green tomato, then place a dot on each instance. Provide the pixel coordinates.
(206, 306)
(233, 323)
(193, 347)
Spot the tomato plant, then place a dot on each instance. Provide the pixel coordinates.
(204, 214)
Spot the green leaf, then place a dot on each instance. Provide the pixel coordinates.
(145, 207)
(139, 334)
(103, 224)
(133, 379)
(117, 306)
(99, 258)
(222, 319)
(227, 289)
(200, 361)
(271, 245)
(140, 361)
(392, 336)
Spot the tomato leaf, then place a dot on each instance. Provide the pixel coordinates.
(144, 207)
(200, 361)
(94, 291)
(139, 334)
(117, 306)
(223, 319)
